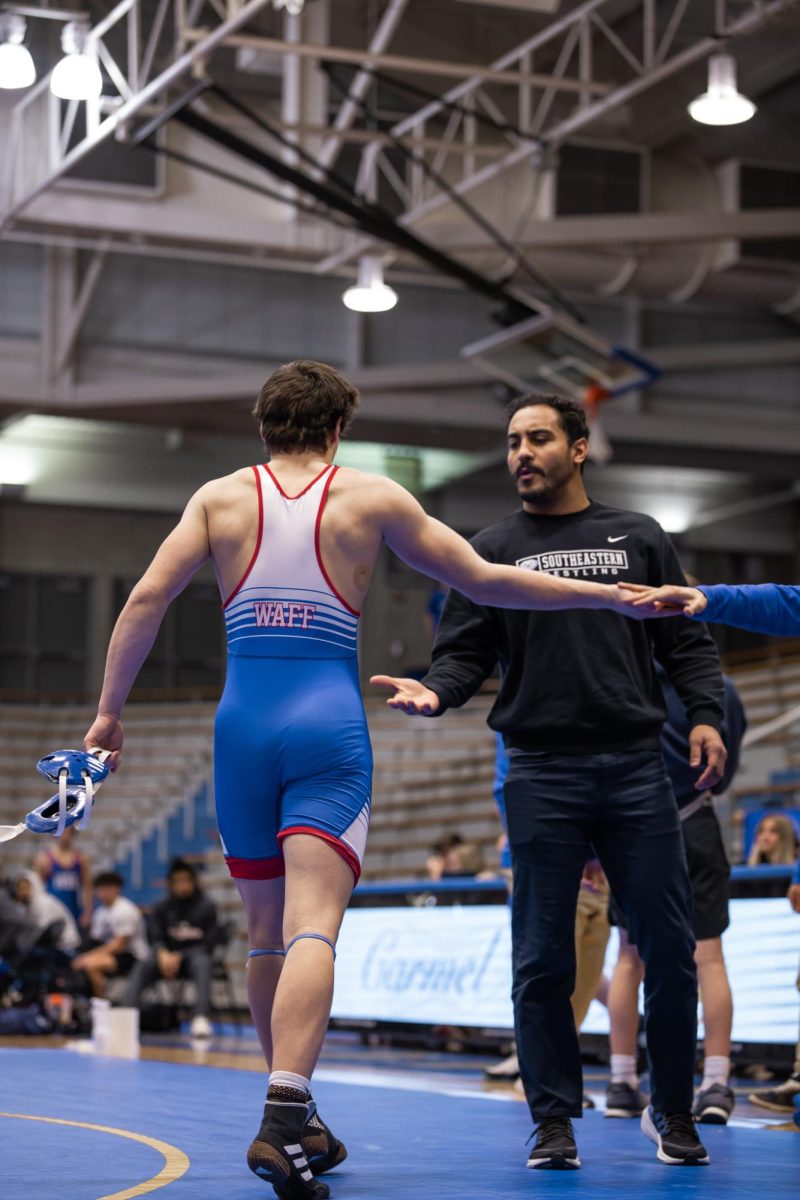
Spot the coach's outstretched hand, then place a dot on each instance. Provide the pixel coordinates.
(107, 733)
(410, 696)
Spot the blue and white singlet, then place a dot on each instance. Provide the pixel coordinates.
(291, 747)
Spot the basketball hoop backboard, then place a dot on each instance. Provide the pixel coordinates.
(552, 353)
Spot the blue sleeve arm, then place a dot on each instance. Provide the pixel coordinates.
(770, 608)
(796, 876)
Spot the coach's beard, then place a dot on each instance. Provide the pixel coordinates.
(539, 488)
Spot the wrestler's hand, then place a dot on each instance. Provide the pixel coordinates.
(706, 743)
(670, 600)
(107, 733)
(410, 696)
(793, 895)
(623, 601)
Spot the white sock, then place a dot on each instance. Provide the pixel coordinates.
(717, 1069)
(623, 1069)
(289, 1079)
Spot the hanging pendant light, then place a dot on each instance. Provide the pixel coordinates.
(77, 76)
(370, 294)
(722, 104)
(16, 65)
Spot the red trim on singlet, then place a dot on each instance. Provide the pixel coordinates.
(251, 564)
(305, 489)
(255, 868)
(341, 848)
(317, 527)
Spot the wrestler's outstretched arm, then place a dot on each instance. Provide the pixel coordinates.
(435, 549)
(179, 557)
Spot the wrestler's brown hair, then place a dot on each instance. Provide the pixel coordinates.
(300, 405)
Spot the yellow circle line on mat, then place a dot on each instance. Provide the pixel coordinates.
(176, 1162)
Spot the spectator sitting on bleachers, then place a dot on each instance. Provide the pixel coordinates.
(183, 931)
(117, 933)
(46, 913)
(465, 861)
(435, 862)
(17, 927)
(775, 842)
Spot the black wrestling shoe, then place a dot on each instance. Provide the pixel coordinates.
(554, 1148)
(277, 1154)
(714, 1105)
(323, 1150)
(676, 1138)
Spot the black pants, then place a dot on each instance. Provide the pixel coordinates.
(195, 965)
(558, 807)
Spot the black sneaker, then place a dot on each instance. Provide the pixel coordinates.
(554, 1149)
(714, 1105)
(277, 1155)
(323, 1150)
(676, 1138)
(780, 1099)
(622, 1100)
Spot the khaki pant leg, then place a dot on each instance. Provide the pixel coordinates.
(592, 932)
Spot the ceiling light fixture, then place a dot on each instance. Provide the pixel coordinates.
(77, 76)
(370, 294)
(16, 65)
(722, 104)
(292, 7)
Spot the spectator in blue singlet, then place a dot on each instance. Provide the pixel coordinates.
(66, 873)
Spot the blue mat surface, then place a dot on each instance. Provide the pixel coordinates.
(406, 1142)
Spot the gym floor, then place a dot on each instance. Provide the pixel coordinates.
(179, 1119)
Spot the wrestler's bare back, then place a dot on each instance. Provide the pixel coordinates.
(351, 530)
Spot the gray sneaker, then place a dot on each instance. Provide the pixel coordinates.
(622, 1100)
(714, 1105)
(780, 1099)
(505, 1071)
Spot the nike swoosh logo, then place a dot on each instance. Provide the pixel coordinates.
(619, 539)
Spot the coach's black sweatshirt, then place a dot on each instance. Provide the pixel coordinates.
(581, 681)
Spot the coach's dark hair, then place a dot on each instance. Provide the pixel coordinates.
(300, 405)
(108, 879)
(571, 414)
